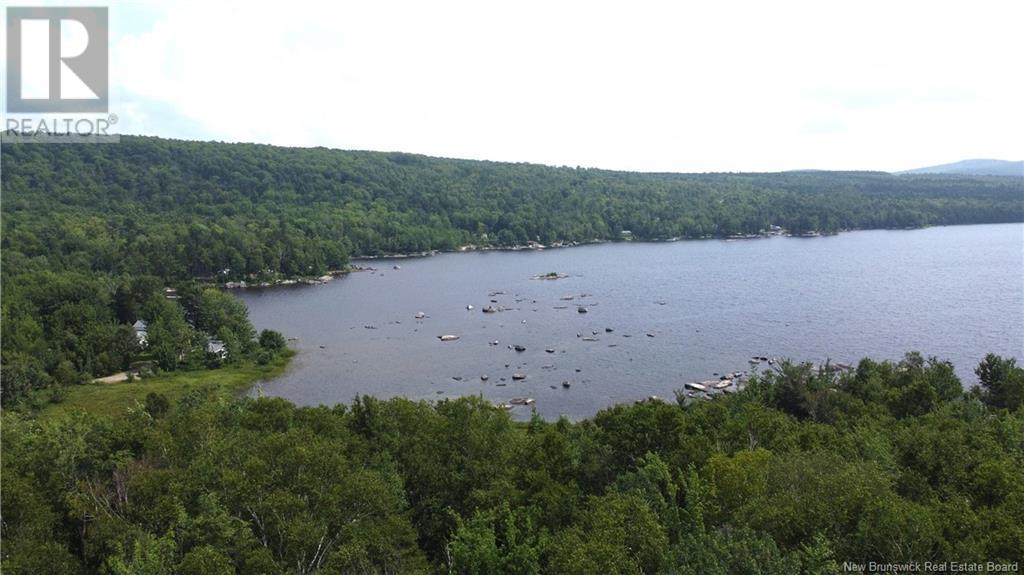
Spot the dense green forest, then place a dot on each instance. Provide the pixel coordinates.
(91, 233)
(177, 209)
(801, 471)
(804, 469)
(63, 328)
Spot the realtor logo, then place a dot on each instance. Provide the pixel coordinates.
(57, 60)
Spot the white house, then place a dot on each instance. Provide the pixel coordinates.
(140, 332)
(217, 347)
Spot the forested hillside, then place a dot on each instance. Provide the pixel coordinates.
(178, 209)
(92, 234)
(798, 473)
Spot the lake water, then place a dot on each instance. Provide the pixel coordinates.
(953, 292)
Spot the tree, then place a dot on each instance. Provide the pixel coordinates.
(220, 312)
(618, 534)
(1001, 381)
(170, 337)
(205, 560)
(272, 341)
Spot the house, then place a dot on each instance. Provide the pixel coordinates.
(217, 347)
(140, 332)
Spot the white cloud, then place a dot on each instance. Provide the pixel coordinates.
(649, 86)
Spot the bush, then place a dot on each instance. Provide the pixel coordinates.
(272, 340)
(157, 404)
(58, 393)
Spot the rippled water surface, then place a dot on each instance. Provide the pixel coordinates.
(954, 292)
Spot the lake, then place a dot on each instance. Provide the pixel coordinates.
(679, 311)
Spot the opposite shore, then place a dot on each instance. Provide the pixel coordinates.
(529, 246)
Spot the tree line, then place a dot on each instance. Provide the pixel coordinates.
(66, 328)
(90, 234)
(178, 209)
(801, 471)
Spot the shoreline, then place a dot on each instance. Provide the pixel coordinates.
(535, 246)
(115, 399)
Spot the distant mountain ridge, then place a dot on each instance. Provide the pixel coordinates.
(980, 167)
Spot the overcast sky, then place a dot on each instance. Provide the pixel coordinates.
(673, 86)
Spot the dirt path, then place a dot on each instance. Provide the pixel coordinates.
(115, 378)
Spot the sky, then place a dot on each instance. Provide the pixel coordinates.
(644, 86)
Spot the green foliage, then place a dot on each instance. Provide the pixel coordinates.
(617, 534)
(91, 236)
(156, 404)
(179, 210)
(805, 469)
(226, 317)
(495, 541)
(205, 560)
(1001, 382)
(272, 341)
(79, 339)
(734, 485)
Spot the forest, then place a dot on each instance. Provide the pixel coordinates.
(91, 235)
(800, 472)
(182, 210)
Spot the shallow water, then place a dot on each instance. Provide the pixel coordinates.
(953, 292)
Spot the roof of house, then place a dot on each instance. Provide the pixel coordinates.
(139, 325)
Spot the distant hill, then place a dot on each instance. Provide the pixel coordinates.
(176, 209)
(974, 168)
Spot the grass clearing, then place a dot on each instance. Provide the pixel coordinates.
(113, 399)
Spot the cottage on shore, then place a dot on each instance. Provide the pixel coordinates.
(216, 347)
(140, 332)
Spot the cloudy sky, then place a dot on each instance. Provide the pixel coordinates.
(651, 86)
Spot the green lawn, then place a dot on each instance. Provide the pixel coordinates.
(114, 399)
